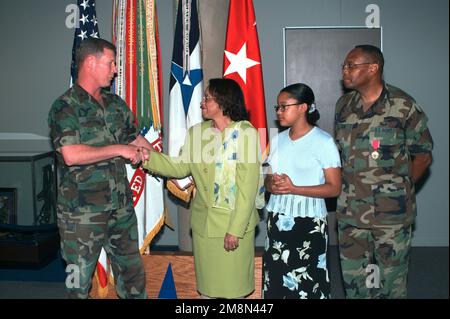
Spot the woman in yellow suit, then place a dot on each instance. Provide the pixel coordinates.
(223, 156)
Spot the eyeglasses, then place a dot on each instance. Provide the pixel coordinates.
(282, 108)
(352, 66)
(206, 98)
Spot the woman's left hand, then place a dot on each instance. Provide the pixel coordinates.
(231, 242)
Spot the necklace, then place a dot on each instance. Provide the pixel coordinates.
(295, 136)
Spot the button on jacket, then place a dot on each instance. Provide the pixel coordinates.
(197, 158)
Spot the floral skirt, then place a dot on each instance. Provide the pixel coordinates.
(295, 258)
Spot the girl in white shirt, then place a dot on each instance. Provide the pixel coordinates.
(304, 169)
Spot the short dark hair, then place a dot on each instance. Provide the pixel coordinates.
(303, 94)
(92, 46)
(374, 52)
(229, 96)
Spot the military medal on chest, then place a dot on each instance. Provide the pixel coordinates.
(375, 145)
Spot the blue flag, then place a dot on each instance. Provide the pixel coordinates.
(168, 290)
(87, 27)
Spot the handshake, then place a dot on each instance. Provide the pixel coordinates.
(136, 154)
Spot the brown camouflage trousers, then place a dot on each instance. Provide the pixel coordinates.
(374, 262)
(82, 237)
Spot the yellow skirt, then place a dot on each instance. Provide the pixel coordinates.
(222, 274)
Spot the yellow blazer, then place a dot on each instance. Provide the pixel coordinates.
(197, 158)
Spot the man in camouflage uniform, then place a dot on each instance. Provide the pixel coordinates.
(385, 148)
(94, 134)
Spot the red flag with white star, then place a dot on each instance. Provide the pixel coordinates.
(242, 63)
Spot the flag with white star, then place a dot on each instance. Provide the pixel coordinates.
(242, 63)
(87, 28)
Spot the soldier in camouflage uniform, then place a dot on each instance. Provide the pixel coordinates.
(94, 134)
(385, 148)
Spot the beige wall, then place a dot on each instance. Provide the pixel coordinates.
(213, 21)
(213, 16)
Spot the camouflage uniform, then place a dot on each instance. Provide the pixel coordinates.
(377, 205)
(95, 201)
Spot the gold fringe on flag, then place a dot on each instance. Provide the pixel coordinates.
(148, 239)
(101, 291)
(184, 195)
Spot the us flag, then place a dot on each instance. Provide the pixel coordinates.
(87, 27)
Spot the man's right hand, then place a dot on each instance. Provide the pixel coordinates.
(132, 153)
(145, 152)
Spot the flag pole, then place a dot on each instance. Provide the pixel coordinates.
(186, 90)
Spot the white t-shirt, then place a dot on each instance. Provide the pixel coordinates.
(303, 160)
